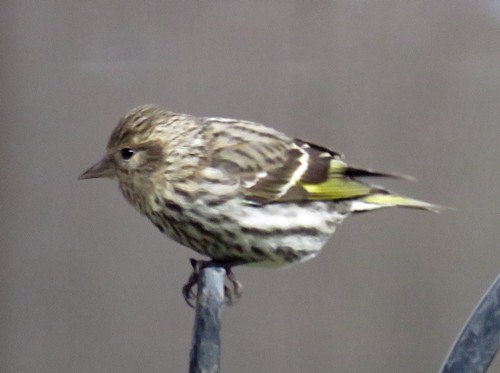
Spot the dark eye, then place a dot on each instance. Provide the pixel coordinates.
(126, 153)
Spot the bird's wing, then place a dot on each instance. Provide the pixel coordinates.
(271, 167)
(266, 163)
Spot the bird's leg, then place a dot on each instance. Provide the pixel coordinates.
(187, 289)
(237, 287)
(230, 293)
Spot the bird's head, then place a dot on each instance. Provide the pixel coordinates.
(135, 149)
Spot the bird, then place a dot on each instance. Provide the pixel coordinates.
(237, 191)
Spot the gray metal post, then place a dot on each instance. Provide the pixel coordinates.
(206, 347)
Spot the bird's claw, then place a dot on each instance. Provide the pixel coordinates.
(187, 289)
(232, 291)
(231, 295)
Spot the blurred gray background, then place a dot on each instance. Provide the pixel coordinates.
(88, 285)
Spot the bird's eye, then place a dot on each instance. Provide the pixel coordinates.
(126, 153)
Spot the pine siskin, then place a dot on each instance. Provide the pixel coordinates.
(236, 191)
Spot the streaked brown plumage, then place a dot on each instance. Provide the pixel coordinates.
(236, 191)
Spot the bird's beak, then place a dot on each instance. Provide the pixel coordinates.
(103, 168)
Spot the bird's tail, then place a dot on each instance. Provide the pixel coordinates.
(346, 183)
(385, 199)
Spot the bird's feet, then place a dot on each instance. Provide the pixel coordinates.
(187, 289)
(232, 289)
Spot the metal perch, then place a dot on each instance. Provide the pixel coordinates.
(206, 348)
(479, 340)
(472, 352)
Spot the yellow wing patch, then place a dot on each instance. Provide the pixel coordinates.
(337, 186)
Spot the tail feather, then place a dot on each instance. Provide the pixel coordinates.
(354, 172)
(338, 181)
(381, 200)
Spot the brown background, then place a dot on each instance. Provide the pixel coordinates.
(88, 285)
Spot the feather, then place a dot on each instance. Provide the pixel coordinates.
(272, 168)
(380, 200)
